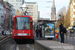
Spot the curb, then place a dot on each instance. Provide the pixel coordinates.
(41, 47)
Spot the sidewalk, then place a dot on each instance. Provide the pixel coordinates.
(55, 45)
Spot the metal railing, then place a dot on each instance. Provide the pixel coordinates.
(68, 38)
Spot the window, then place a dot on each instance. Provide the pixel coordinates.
(30, 8)
(1, 16)
(30, 13)
(18, 0)
(31, 25)
(29, 5)
(22, 23)
(13, 24)
(18, 4)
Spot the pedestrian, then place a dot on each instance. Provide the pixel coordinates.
(61, 28)
(71, 32)
(3, 32)
(40, 32)
(37, 33)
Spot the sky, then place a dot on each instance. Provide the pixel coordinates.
(45, 7)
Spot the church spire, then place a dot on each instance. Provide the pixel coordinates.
(53, 11)
(53, 4)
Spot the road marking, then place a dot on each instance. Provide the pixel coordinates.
(17, 47)
(31, 46)
(28, 46)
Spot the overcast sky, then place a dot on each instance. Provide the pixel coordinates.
(43, 4)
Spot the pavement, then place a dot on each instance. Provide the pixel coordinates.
(55, 45)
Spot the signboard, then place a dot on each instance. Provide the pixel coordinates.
(49, 30)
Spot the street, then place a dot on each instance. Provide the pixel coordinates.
(36, 25)
(12, 45)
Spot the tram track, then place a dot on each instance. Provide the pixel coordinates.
(10, 44)
(24, 47)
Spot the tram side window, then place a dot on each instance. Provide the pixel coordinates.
(16, 25)
(31, 25)
(13, 24)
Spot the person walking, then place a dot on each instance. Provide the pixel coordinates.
(40, 32)
(3, 32)
(37, 33)
(61, 31)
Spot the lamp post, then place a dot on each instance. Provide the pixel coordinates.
(24, 12)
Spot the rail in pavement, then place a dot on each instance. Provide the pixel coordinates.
(4, 40)
(53, 45)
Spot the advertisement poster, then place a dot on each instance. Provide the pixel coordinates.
(49, 29)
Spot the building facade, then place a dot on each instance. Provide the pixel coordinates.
(1, 15)
(72, 12)
(38, 14)
(53, 11)
(10, 12)
(16, 3)
(32, 10)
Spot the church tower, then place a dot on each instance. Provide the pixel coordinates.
(53, 11)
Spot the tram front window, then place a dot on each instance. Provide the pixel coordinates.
(22, 23)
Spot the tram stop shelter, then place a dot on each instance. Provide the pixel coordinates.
(48, 28)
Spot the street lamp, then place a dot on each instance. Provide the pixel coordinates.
(24, 12)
